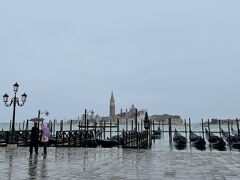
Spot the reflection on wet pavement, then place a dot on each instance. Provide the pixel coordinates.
(162, 161)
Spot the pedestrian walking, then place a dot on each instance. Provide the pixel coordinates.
(45, 135)
(34, 138)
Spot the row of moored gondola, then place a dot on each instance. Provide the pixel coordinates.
(213, 140)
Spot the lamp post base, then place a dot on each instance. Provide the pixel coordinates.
(12, 146)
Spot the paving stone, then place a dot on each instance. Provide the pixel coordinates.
(118, 164)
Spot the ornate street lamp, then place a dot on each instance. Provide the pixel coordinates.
(14, 101)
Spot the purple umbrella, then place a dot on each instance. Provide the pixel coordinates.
(45, 129)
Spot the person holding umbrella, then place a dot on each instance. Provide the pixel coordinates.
(34, 138)
(45, 135)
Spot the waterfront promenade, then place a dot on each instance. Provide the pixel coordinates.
(118, 163)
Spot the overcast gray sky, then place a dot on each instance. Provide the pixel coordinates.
(176, 57)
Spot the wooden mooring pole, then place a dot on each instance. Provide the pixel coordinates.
(136, 114)
(228, 130)
(118, 129)
(61, 125)
(153, 124)
(202, 129)
(110, 127)
(54, 127)
(132, 125)
(185, 126)
(27, 125)
(71, 125)
(170, 130)
(220, 129)
(104, 130)
(85, 119)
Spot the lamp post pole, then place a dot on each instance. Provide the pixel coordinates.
(14, 112)
(14, 101)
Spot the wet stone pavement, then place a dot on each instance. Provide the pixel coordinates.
(117, 163)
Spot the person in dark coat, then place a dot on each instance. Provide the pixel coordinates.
(34, 138)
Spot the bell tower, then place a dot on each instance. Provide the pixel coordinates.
(112, 107)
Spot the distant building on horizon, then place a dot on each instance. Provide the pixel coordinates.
(130, 115)
(137, 114)
(164, 119)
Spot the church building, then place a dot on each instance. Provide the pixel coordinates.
(112, 108)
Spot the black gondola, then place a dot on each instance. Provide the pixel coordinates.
(234, 132)
(215, 141)
(156, 133)
(179, 140)
(106, 143)
(118, 138)
(197, 141)
(233, 141)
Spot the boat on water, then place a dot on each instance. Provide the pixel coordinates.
(118, 138)
(233, 141)
(215, 141)
(234, 132)
(179, 140)
(107, 143)
(156, 133)
(196, 140)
